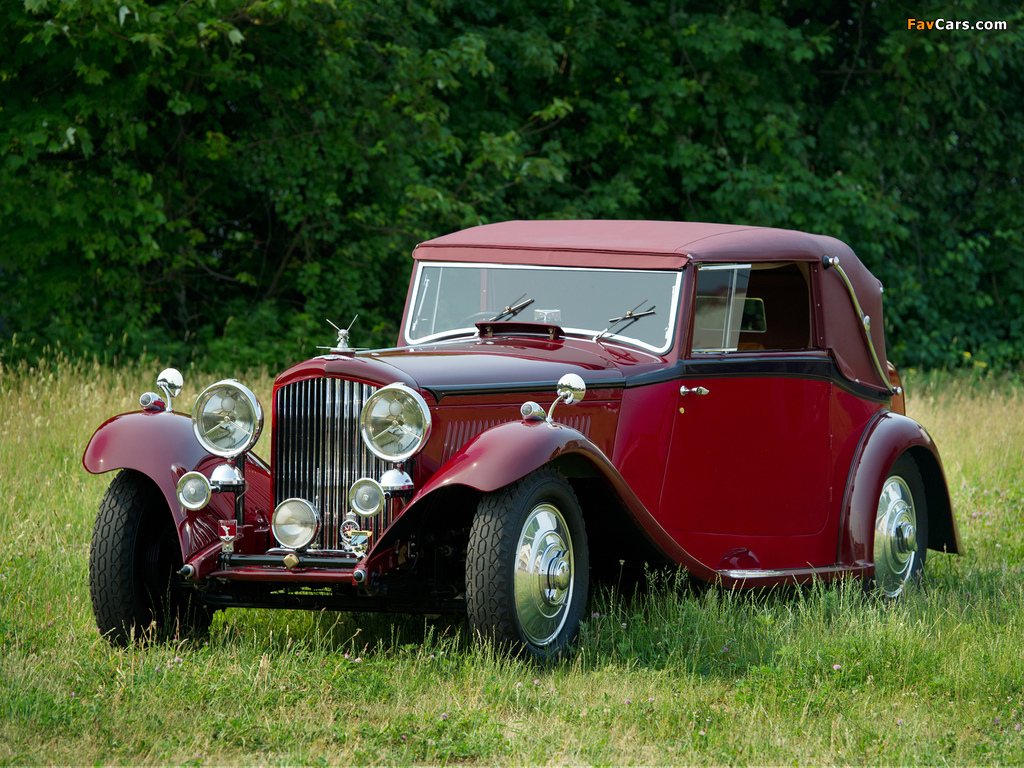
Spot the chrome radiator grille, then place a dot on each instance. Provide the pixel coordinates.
(318, 452)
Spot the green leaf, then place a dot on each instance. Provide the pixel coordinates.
(178, 104)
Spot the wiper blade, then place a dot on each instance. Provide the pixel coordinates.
(629, 318)
(512, 309)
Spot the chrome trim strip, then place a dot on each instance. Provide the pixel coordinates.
(768, 573)
(794, 573)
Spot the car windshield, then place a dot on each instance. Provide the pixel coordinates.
(449, 298)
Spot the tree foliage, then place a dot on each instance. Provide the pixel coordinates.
(218, 179)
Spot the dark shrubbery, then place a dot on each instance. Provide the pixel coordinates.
(218, 180)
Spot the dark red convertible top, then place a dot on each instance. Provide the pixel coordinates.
(673, 245)
(605, 242)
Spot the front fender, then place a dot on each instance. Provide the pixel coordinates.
(887, 437)
(508, 452)
(162, 446)
(154, 443)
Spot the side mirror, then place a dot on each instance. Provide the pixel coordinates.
(571, 388)
(171, 382)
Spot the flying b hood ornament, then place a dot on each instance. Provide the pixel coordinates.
(341, 347)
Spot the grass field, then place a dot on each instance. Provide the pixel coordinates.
(817, 676)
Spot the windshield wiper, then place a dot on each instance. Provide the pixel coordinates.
(629, 318)
(512, 309)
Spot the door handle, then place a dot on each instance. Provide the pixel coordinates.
(685, 390)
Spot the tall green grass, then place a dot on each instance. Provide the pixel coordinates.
(667, 676)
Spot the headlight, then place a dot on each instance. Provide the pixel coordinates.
(194, 491)
(295, 523)
(366, 497)
(395, 422)
(227, 419)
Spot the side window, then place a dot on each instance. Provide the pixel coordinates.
(752, 307)
(718, 313)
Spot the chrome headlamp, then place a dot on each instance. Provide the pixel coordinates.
(227, 419)
(395, 422)
(295, 523)
(194, 491)
(366, 497)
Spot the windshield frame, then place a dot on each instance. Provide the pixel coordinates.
(415, 298)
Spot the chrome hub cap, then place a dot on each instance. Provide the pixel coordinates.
(543, 574)
(906, 538)
(895, 537)
(559, 574)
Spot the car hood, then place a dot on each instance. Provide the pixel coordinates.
(494, 365)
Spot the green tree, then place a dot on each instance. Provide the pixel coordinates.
(832, 118)
(218, 179)
(222, 178)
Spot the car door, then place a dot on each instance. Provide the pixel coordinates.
(747, 478)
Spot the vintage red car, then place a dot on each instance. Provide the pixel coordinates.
(564, 396)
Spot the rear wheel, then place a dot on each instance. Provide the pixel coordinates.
(527, 566)
(133, 563)
(901, 529)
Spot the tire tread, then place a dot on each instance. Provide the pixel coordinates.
(127, 596)
(493, 536)
(111, 576)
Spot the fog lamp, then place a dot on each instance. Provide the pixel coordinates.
(366, 497)
(194, 491)
(295, 523)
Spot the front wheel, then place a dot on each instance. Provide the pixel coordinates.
(133, 561)
(901, 529)
(527, 566)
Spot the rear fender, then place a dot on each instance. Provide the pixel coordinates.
(505, 453)
(885, 440)
(162, 446)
